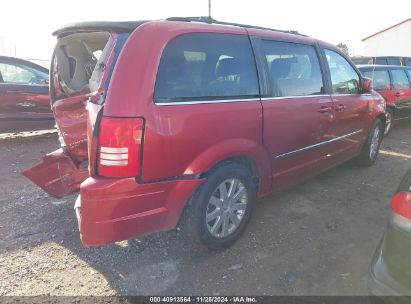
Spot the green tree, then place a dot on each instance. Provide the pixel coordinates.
(343, 47)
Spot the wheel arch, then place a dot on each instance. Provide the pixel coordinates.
(253, 156)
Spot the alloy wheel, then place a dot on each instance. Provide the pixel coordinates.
(226, 208)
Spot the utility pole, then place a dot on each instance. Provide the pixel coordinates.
(209, 8)
(2, 44)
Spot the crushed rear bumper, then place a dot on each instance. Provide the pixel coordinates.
(110, 210)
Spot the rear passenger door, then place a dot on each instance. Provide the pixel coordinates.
(351, 106)
(402, 93)
(298, 114)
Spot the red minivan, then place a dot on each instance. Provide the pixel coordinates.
(394, 85)
(187, 121)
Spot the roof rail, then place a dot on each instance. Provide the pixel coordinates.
(210, 20)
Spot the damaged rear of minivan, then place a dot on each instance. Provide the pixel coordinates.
(101, 87)
(82, 63)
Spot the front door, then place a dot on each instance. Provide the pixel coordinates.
(351, 106)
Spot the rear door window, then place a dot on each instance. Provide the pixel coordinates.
(294, 69)
(400, 80)
(203, 66)
(344, 78)
(380, 79)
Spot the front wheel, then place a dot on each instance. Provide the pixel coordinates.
(370, 150)
(220, 209)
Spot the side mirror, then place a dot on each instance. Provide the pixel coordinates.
(366, 85)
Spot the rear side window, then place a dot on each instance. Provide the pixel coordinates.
(203, 66)
(380, 79)
(294, 69)
(400, 80)
(344, 78)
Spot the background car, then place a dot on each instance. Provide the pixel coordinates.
(24, 96)
(394, 84)
(390, 273)
(383, 60)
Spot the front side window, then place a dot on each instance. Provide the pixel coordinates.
(400, 80)
(344, 78)
(380, 79)
(294, 69)
(22, 74)
(205, 66)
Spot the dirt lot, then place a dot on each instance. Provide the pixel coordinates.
(316, 239)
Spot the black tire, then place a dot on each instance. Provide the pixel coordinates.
(194, 223)
(389, 118)
(366, 158)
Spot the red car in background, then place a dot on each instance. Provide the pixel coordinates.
(24, 96)
(394, 84)
(187, 121)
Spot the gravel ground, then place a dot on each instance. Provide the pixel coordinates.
(316, 239)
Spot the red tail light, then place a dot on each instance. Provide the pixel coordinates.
(119, 146)
(401, 204)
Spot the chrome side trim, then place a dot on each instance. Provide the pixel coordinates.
(294, 97)
(317, 145)
(235, 100)
(403, 118)
(177, 103)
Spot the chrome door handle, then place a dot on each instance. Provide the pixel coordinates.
(325, 109)
(340, 108)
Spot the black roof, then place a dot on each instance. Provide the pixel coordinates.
(121, 27)
(15, 60)
(129, 26)
(209, 20)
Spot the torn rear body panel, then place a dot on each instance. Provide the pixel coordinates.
(80, 72)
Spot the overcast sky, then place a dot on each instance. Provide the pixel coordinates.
(26, 25)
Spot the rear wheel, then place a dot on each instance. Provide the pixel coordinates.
(371, 147)
(219, 211)
(389, 120)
